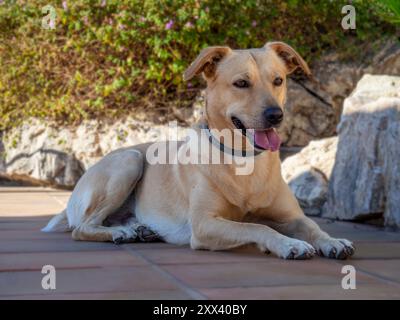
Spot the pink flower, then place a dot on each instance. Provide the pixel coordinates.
(103, 3)
(207, 9)
(254, 23)
(169, 25)
(142, 19)
(85, 20)
(52, 24)
(65, 5)
(121, 26)
(189, 25)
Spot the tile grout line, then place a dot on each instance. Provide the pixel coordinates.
(374, 275)
(380, 278)
(194, 294)
(57, 200)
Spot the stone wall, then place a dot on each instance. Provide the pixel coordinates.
(60, 155)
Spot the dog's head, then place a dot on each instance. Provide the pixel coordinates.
(246, 89)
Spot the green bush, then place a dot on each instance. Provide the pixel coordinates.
(106, 58)
(390, 10)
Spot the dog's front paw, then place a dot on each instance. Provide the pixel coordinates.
(334, 248)
(293, 249)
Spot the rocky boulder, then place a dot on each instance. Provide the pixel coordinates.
(308, 173)
(365, 181)
(355, 176)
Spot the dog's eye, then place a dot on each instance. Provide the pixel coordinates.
(241, 84)
(278, 81)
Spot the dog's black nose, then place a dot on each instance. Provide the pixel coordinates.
(273, 115)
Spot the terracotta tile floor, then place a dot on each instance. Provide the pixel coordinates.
(87, 270)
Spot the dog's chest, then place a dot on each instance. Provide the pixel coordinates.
(247, 194)
(254, 191)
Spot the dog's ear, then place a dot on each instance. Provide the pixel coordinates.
(206, 62)
(291, 58)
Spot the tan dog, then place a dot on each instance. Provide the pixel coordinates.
(209, 206)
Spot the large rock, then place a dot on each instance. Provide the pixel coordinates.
(365, 181)
(308, 172)
(355, 176)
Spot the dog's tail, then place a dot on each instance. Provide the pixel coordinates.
(59, 223)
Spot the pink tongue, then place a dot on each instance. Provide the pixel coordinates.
(267, 139)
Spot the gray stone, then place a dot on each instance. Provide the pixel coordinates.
(365, 181)
(386, 61)
(308, 172)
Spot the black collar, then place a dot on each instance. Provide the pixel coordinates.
(228, 150)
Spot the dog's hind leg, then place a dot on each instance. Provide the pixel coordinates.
(102, 191)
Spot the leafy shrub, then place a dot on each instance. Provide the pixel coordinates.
(390, 10)
(109, 57)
